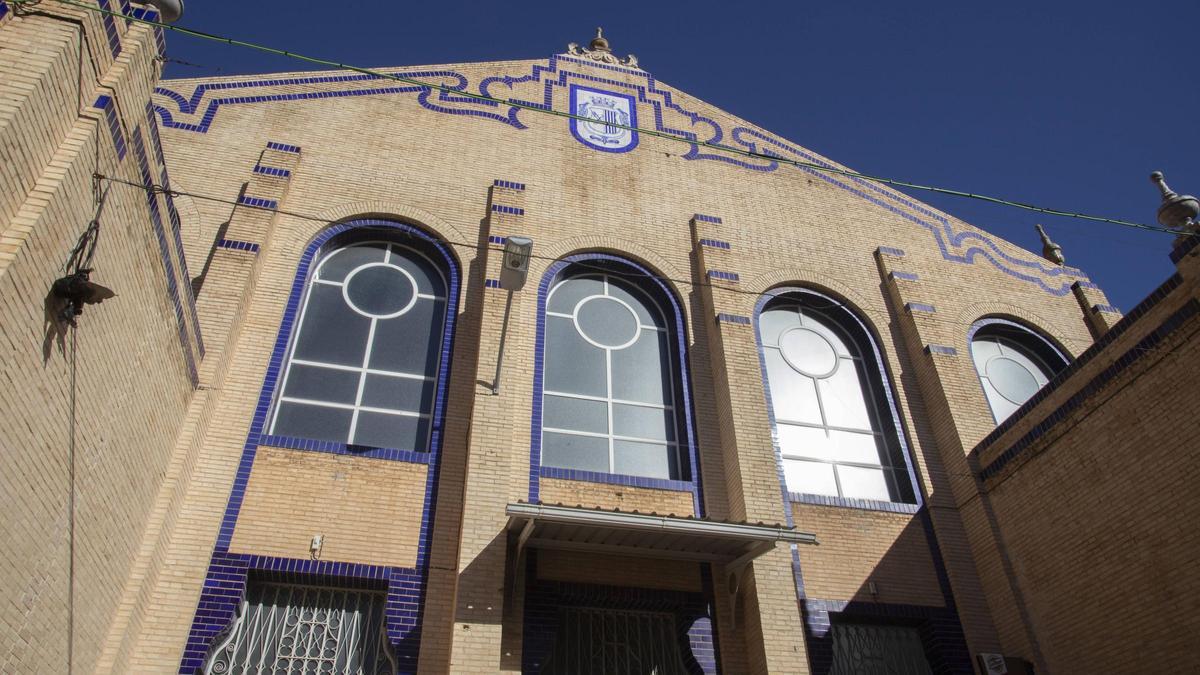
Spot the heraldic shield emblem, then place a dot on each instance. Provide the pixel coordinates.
(604, 111)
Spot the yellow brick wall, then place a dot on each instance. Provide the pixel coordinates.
(612, 570)
(604, 495)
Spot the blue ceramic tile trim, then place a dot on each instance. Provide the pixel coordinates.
(701, 218)
(331, 447)
(733, 319)
(110, 28)
(1085, 284)
(151, 14)
(511, 185)
(282, 147)
(127, 10)
(911, 307)
(850, 503)
(510, 210)
(258, 202)
(963, 246)
(493, 239)
(271, 171)
(692, 612)
(230, 573)
(888, 250)
(403, 617)
(906, 276)
(723, 276)
(616, 479)
(1142, 349)
(1184, 247)
(164, 250)
(491, 283)
(105, 103)
(237, 245)
(681, 354)
(941, 349)
(189, 295)
(941, 632)
(3, 9)
(716, 243)
(1108, 338)
(1106, 308)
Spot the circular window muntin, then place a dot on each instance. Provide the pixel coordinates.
(792, 361)
(637, 321)
(403, 310)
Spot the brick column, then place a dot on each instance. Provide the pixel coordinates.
(1099, 315)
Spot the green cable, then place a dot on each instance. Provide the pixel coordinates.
(648, 132)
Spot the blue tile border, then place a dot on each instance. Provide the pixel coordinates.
(724, 276)
(404, 619)
(964, 246)
(491, 283)
(904, 276)
(616, 479)
(508, 210)
(851, 503)
(3, 9)
(236, 245)
(283, 147)
(1131, 356)
(110, 28)
(734, 319)
(888, 250)
(509, 185)
(271, 171)
(493, 239)
(258, 202)
(941, 349)
(701, 218)
(911, 307)
(151, 14)
(1105, 308)
(106, 104)
(716, 243)
(681, 355)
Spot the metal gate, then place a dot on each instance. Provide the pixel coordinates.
(611, 642)
(286, 630)
(867, 649)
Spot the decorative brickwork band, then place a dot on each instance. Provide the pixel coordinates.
(283, 147)
(236, 245)
(734, 319)
(508, 184)
(941, 349)
(1184, 247)
(701, 218)
(724, 276)
(716, 243)
(258, 202)
(510, 210)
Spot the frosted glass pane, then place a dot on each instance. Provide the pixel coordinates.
(339, 263)
(380, 430)
(423, 272)
(566, 294)
(983, 349)
(859, 483)
(1001, 407)
(809, 477)
(642, 459)
(331, 331)
(607, 322)
(774, 321)
(852, 447)
(797, 441)
(311, 421)
(647, 313)
(321, 384)
(821, 325)
(398, 393)
(793, 396)
(843, 399)
(1012, 379)
(572, 364)
(641, 371)
(655, 423)
(585, 453)
(412, 342)
(575, 414)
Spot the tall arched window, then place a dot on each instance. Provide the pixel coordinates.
(611, 397)
(363, 364)
(834, 424)
(1013, 363)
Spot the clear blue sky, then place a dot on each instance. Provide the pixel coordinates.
(1065, 103)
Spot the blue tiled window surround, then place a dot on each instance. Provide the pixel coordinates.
(850, 318)
(536, 470)
(1027, 335)
(403, 613)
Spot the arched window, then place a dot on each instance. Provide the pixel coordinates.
(1013, 363)
(835, 427)
(611, 397)
(363, 364)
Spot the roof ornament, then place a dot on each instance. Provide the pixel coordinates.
(599, 50)
(1050, 250)
(1176, 212)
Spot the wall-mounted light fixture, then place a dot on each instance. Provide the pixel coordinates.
(514, 269)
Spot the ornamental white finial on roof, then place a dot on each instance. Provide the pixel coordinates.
(599, 50)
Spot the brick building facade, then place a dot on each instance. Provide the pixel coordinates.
(751, 417)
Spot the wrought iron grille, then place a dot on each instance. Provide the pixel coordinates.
(286, 630)
(609, 642)
(866, 649)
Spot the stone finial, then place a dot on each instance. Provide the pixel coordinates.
(1050, 250)
(599, 50)
(1177, 212)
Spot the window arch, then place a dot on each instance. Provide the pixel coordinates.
(365, 356)
(1012, 362)
(834, 423)
(612, 389)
